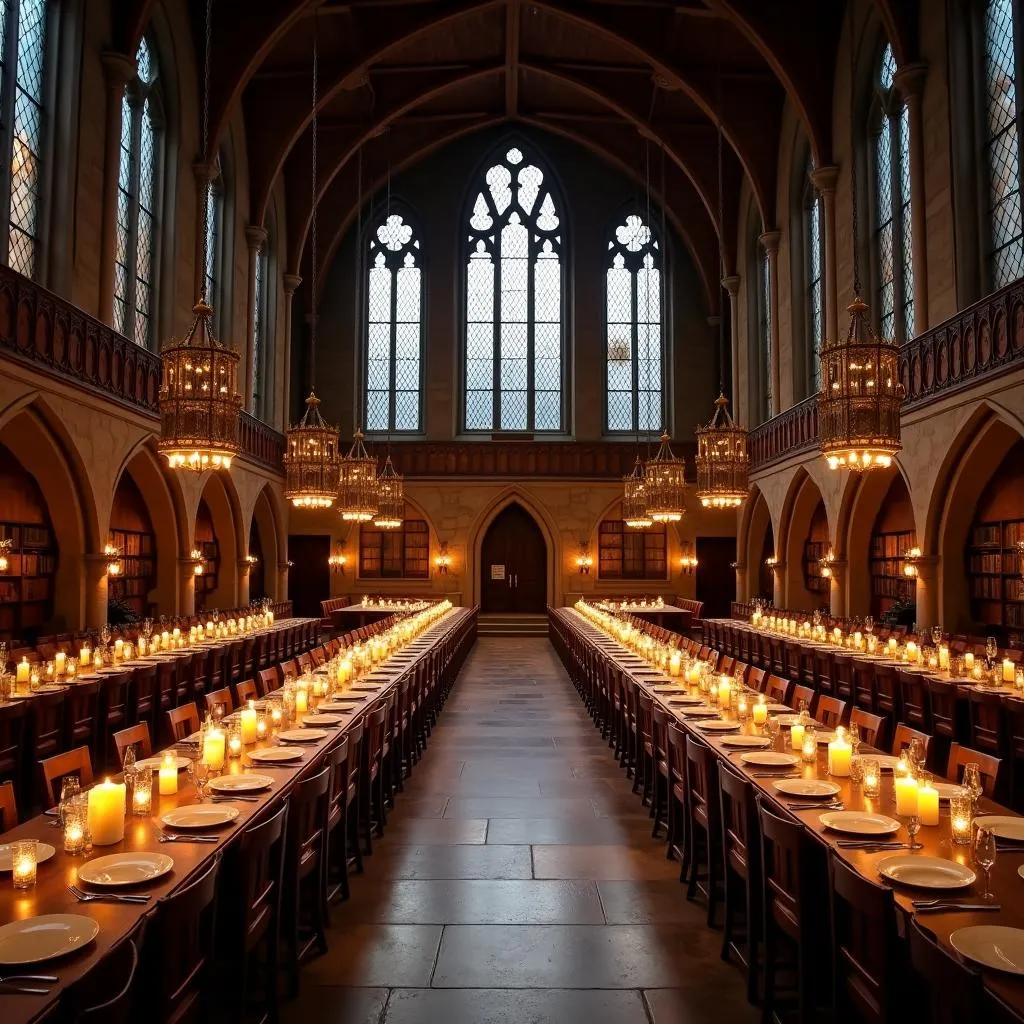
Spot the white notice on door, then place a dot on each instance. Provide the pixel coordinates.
(497, 572)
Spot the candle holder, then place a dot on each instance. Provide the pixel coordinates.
(856, 770)
(234, 742)
(809, 746)
(961, 808)
(262, 727)
(142, 794)
(74, 830)
(872, 775)
(24, 860)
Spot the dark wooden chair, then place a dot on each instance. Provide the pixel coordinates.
(185, 670)
(335, 862)
(179, 951)
(869, 959)
(677, 796)
(115, 713)
(661, 774)
(8, 807)
(14, 724)
(800, 695)
(830, 711)
(988, 767)
(251, 914)
(987, 717)
(53, 770)
(793, 666)
(905, 736)
(948, 991)
(842, 676)
(304, 900)
(870, 726)
(134, 736)
(182, 722)
(863, 683)
(245, 691)
(888, 696)
(741, 849)
(165, 694)
(795, 919)
(943, 720)
(222, 696)
(82, 718)
(756, 679)
(823, 672)
(703, 825)
(1015, 740)
(777, 689)
(371, 795)
(246, 663)
(267, 680)
(109, 993)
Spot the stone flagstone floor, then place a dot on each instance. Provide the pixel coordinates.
(517, 882)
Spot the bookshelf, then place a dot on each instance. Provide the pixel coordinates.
(395, 554)
(26, 589)
(814, 551)
(888, 582)
(624, 554)
(994, 579)
(138, 569)
(206, 542)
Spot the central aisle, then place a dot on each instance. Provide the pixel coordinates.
(517, 881)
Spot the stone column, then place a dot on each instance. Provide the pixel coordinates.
(118, 70)
(837, 596)
(243, 583)
(203, 174)
(95, 590)
(732, 285)
(770, 241)
(291, 283)
(282, 581)
(742, 594)
(824, 180)
(927, 591)
(779, 581)
(255, 238)
(910, 82)
(187, 579)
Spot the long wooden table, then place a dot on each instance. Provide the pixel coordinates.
(1006, 884)
(116, 921)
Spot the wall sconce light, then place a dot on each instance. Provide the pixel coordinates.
(337, 560)
(252, 560)
(584, 560)
(5, 550)
(197, 561)
(289, 564)
(1020, 557)
(688, 562)
(113, 556)
(771, 561)
(443, 559)
(910, 560)
(825, 563)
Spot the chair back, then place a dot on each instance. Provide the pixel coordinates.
(782, 859)
(830, 711)
(701, 776)
(870, 726)
(49, 711)
(8, 807)
(988, 767)
(842, 676)
(308, 807)
(165, 696)
(221, 696)
(988, 722)
(180, 950)
(756, 679)
(777, 689)
(13, 722)
(182, 722)
(266, 680)
(82, 715)
(904, 736)
(863, 683)
(134, 736)
(741, 837)
(952, 991)
(245, 691)
(254, 898)
(89, 1000)
(824, 671)
(800, 694)
(54, 769)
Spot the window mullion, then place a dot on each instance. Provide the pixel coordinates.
(131, 255)
(531, 325)
(896, 221)
(9, 87)
(634, 342)
(496, 336)
(392, 372)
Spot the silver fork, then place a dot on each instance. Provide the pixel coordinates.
(112, 897)
(178, 837)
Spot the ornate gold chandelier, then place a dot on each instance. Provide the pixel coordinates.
(634, 498)
(666, 484)
(357, 489)
(859, 401)
(390, 498)
(199, 399)
(311, 460)
(723, 464)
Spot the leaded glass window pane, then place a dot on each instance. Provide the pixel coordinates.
(764, 329)
(1002, 148)
(394, 328)
(634, 344)
(259, 329)
(815, 284)
(513, 367)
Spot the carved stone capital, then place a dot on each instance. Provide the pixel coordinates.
(824, 179)
(732, 284)
(291, 283)
(118, 69)
(255, 237)
(770, 241)
(909, 79)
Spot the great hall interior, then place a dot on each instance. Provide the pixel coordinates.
(511, 511)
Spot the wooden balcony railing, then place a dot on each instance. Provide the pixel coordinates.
(978, 344)
(49, 334)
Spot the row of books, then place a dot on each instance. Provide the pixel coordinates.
(997, 535)
(997, 588)
(891, 545)
(133, 544)
(891, 586)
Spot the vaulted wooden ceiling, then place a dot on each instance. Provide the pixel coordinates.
(630, 80)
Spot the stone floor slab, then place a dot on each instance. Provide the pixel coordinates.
(530, 1006)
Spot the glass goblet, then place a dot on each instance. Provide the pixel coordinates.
(199, 775)
(985, 856)
(913, 827)
(774, 731)
(70, 787)
(972, 783)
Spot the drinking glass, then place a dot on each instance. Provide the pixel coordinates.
(147, 628)
(3, 656)
(936, 635)
(854, 732)
(199, 775)
(774, 729)
(70, 787)
(990, 647)
(105, 634)
(972, 783)
(913, 827)
(915, 754)
(869, 624)
(217, 713)
(985, 856)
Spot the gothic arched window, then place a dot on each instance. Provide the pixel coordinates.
(814, 280)
(136, 202)
(394, 327)
(513, 285)
(634, 345)
(23, 31)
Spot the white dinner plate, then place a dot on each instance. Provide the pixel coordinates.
(992, 945)
(700, 713)
(790, 720)
(154, 764)
(249, 783)
(779, 707)
(745, 741)
(43, 938)
(44, 851)
(826, 737)
(275, 755)
(718, 726)
(886, 761)
(335, 706)
(926, 872)
(946, 789)
(1003, 826)
(806, 787)
(319, 719)
(48, 688)
(770, 759)
(302, 735)
(860, 823)
(199, 817)
(121, 869)
(685, 701)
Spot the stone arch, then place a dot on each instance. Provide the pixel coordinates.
(552, 538)
(165, 503)
(222, 500)
(266, 517)
(802, 501)
(757, 539)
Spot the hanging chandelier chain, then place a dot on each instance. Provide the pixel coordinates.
(721, 221)
(315, 199)
(854, 188)
(206, 150)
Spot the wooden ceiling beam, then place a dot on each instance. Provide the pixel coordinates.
(513, 11)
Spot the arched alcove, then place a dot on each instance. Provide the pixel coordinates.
(265, 537)
(132, 592)
(217, 536)
(805, 538)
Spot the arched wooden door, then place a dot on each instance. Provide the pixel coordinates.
(513, 564)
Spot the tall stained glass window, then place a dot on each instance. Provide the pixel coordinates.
(259, 332)
(764, 330)
(22, 64)
(214, 228)
(634, 345)
(1002, 145)
(814, 276)
(894, 269)
(136, 202)
(514, 300)
(394, 327)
